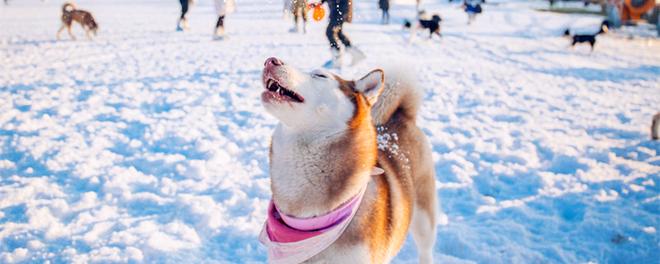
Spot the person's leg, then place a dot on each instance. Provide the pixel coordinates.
(356, 54)
(221, 22)
(184, 8)
(340, 34)
(296, 16)
(182, 23)
(331, 34)
(304, 18)
(220, 27)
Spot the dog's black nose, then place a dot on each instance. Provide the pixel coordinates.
(273, 61)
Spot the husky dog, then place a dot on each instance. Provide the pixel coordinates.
(655, 127)
(424, 23)
(84, 18)
(325, 148)
(588, 38)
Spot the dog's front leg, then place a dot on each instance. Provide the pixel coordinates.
(60, 31)
(88, 32)
(68, 29)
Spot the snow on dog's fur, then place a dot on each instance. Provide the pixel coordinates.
(325, 147)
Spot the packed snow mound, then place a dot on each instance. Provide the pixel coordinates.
(150, 145)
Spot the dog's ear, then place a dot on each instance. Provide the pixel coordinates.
(371, 85)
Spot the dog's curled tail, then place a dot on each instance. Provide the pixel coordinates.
(68, 7)
(400, 96)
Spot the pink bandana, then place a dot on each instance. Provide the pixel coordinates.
(294, 240)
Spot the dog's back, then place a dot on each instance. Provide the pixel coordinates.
(70, 13)
(404, 195)
(405, 154)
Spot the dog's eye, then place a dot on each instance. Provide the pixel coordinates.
(320, 75)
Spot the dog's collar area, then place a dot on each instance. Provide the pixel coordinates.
(294, 240)
(329, 219)
(323, 221)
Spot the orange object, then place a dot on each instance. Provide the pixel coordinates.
(318, 13)
(634, 9)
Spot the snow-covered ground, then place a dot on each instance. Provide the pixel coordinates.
(149, 145)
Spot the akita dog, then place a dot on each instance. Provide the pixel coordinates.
(332, 202)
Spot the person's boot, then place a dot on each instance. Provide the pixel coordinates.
(178, 25)
(335, 62)
(295, 28)
(356, 55)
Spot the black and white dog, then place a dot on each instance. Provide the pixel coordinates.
(424, 23)
(588, 38)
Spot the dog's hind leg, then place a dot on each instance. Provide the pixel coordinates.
(424, 227)
(424, 216)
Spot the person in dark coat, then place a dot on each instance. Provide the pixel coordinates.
(340, 11)
(384, 5)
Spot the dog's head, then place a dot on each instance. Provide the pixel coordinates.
(68, 7)
(91, 24)
(605, 26)
(317, 100)
(436, 18)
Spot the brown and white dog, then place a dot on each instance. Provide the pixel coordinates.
(325, 146)
(84, 18)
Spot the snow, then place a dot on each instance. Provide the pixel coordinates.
(149, 145)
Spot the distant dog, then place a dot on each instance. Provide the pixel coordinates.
(588, 38)
(655, 127)
(84, 18)
(299, 11)
(424, 23)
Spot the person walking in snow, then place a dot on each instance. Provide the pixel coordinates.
(384, 5)
(222, 8)
(471, 9)
(183, 21)
(340, 11)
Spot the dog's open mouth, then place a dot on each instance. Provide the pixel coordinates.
(276, 91)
